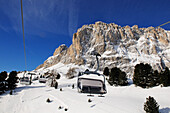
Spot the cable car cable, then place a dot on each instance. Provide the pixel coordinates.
(163, 24)
(23, 35)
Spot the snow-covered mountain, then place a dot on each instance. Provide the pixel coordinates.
(123, 47)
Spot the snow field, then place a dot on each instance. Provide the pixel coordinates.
(126, 99)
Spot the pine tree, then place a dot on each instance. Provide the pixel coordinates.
(3, 76)
(148, 75)
(106, 71)
(117, 77)
(165, 77)
(151, 106)
(143, 75)
(155, 79)
(12, 80)
(137, 74)
(122, 79)
(58, 76)
(112, 76)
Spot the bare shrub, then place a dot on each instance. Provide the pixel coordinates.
(71, 73)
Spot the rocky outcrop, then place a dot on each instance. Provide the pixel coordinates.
(123, 47)
(60, 49)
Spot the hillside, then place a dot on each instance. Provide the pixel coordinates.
(121, 99)
(123, 47)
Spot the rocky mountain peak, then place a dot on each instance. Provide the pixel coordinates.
(60, 49)
(123, 47)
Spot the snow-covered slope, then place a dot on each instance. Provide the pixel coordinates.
(126, 99)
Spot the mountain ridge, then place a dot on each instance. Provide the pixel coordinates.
(123, 47)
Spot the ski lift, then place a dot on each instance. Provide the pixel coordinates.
(33, 76)
(25, 80)
(91, 81)
(43, 79)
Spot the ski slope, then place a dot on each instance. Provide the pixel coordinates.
(127, 99)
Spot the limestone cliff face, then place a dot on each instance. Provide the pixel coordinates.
(60, 49)
(123, 47)
(57, 56)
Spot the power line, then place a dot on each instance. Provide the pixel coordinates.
(23, 35)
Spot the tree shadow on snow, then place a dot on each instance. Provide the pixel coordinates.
(93, 105)
(18, 89)
(165, 110)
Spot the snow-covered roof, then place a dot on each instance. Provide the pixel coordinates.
(92, 76)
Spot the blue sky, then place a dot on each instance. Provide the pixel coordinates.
(50, 23)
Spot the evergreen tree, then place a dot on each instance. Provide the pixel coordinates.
(112, 76)
(155, 79)
(58, 76)
(106, 71)
(148, 75)
(165, 77)
(151, 106)
(12, 80)
(3, 76)
(137, 74)
(143, 75)
(122, 79)
(117, 77)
